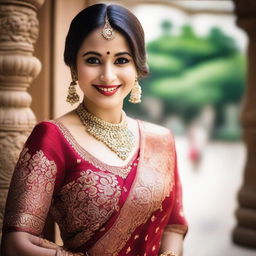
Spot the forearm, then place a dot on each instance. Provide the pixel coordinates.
(24, 244)
(172, 242)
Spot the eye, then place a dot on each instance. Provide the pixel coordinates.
(122, 61)
(93, 60)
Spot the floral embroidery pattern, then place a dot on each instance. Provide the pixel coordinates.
(85, 204)
(31, 190)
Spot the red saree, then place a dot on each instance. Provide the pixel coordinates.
(101, 209)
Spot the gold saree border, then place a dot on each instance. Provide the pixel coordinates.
(153, 183)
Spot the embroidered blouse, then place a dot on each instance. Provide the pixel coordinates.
(103, 209)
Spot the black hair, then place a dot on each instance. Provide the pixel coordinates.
(120, 18)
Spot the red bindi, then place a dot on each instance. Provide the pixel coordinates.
(108, 53)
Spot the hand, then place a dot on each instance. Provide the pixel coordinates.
(59, 250)
(47, 244)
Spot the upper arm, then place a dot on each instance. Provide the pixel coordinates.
(172, 241)
(32, 185)
(177, 221)
(30, 192)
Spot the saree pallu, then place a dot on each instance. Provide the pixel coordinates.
(101, 209)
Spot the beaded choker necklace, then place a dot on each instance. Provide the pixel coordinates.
(116, 137)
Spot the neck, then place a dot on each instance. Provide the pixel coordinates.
(110, 115)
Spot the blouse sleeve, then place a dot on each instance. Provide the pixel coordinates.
(177, 222)
(32, 185)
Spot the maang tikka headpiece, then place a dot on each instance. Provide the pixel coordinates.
(107, 32)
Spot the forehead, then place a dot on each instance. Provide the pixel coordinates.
(96, 42)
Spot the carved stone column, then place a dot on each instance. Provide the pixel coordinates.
(245, 231)
(18, 67)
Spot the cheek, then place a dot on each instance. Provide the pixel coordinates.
(130, 75)
(85, 73)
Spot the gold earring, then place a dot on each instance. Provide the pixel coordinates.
(72, 97)
(135, 96)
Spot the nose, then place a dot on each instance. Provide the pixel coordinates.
(108, 73)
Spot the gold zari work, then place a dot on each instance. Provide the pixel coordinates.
(94, 197)
(34, 179)
(116, 137)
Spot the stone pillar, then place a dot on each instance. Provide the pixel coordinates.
(245, 232)
(18, 67)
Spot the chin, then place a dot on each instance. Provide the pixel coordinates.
(108, 104)
(111, 105)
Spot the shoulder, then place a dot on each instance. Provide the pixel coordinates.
(157, 137)
(45, 127)
(154, 129)
(44, 133)
(70, 118)
(51, 127)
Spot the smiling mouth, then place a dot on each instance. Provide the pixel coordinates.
(107, 90)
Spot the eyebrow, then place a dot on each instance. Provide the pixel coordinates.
(122, 53)
(98, 54)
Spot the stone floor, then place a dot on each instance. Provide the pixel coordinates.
(209, 196)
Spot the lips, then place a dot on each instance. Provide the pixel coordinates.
(107, 90)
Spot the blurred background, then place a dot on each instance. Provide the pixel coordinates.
(197, 63)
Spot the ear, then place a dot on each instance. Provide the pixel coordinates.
(138, 75)
(73, 74)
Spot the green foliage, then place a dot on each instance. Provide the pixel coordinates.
(189, 71)
(166, 26)
(212, 82)
(188, 50)
(164, 65)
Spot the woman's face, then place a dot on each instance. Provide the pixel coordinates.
(105, 69)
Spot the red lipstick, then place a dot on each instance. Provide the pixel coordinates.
(107, 90)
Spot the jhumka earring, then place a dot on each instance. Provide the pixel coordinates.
(72, 97)
(135, 96)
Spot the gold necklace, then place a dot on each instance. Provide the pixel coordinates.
(116, 137)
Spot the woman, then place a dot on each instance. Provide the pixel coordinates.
(110, 182)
